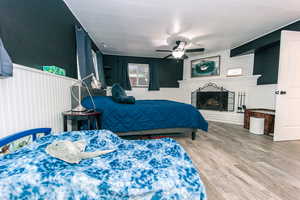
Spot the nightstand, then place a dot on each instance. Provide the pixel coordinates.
(79, 117)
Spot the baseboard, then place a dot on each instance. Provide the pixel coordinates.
(226, 122)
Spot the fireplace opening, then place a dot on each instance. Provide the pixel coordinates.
(212, 97)
(212, 101)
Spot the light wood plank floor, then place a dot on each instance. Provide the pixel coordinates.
(237, 165)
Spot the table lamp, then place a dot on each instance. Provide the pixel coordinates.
(95, 84)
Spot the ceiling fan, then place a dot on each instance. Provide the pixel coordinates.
(179, 51)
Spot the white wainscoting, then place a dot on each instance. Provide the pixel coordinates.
(174, 94)
(33, 99)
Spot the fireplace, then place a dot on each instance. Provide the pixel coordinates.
(212, 97)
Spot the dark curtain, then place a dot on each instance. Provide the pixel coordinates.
(153, 77)
(6, 65)
(120, 73)
(101, 69)
(84, 53)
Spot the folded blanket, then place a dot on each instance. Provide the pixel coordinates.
(72, 152)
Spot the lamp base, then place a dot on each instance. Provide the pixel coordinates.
(79, 108)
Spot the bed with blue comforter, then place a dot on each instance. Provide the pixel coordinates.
(146, 115)
(138, 169)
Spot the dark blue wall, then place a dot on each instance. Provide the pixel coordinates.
(266, 50)
(39, 32)
(266, 63)
(170, 70)
(270, 38)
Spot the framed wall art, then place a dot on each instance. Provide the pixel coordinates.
(204, 67)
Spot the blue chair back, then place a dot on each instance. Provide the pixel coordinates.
(6, 140)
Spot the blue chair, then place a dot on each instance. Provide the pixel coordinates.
(6, 140)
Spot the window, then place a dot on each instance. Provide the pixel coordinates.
(95, 64)
(138, 74)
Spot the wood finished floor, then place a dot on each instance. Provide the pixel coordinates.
(237, 165)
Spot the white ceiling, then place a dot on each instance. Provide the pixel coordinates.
(138, 27)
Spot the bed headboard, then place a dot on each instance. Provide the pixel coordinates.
(84, 93)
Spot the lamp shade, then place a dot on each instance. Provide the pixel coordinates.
(177, 54)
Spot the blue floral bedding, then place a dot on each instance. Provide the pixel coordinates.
(138, 169)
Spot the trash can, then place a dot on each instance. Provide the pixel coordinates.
(257, 125)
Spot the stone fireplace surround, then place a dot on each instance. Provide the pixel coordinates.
(247, 84)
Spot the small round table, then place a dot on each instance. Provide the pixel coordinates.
(78, 117)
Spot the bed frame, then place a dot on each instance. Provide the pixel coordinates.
(33, 132)
(161, 131)
(99, 92)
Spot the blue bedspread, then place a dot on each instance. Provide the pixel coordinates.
(146, 115)
(152, 169)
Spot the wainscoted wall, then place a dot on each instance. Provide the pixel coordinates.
(32, 99)
(258, 96)
(174, 94)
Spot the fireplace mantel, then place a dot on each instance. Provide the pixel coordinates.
(245, 84)
(246, 80)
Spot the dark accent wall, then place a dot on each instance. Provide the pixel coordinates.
(266, 63)
(263, 41)
(170, 70)
(266, 50)
(39, 32)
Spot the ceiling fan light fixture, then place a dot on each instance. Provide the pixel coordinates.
(177, 54)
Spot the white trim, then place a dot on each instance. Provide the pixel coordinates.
(42, 72)
(236, 79)
(227, 121)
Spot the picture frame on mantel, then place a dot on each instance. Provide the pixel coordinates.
(205, 67)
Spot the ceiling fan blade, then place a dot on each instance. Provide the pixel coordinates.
(163, 50)
(194, 50)
(167, 56)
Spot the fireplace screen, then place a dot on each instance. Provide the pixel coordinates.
(212, 97)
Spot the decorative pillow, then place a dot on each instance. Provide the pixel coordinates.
(119, 95)
(125, 100)
(117, 91)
